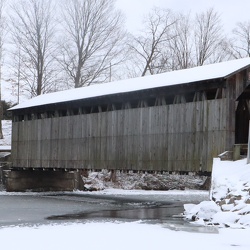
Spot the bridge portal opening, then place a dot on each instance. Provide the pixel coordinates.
(242, 122)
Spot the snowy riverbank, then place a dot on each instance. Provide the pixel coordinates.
(230, 197)
(116, 234)
(109, 235)
(96, 181)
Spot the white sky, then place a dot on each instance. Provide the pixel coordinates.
(231, 11)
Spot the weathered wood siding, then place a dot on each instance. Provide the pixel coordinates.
(178, 137)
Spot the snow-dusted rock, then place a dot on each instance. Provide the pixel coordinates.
(226, 218)
(245, 220)
(205, 210)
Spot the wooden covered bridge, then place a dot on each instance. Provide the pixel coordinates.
(173, 122)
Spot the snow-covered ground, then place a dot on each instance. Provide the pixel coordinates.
(108, 236)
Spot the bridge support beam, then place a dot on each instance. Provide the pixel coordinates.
(40, 181)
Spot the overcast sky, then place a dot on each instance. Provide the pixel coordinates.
(231, 11)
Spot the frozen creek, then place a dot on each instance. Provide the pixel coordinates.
(152, 207)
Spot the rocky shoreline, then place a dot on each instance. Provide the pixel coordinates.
(94, 181)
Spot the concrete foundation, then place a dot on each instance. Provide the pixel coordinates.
(39, 180)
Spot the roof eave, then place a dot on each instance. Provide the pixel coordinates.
(236, 71)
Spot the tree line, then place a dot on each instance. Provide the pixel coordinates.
(58, 44)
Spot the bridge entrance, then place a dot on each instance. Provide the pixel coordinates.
(242, 122)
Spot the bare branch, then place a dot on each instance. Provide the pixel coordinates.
(208, 35)
(240, 44)
(33, 31)
(149, 46)
(94, 40)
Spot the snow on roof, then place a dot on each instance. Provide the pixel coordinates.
(207, 72)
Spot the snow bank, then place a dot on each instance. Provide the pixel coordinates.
(229, 204)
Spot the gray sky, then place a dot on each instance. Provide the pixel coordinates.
(231, 11)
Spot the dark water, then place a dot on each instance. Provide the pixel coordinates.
(164, 215)
(38, 209)
(145, 213)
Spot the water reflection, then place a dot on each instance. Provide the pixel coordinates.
(146, 213)
(149, 215)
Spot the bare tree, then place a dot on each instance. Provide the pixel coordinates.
(2, 36)
(208, 35)
(16, 75)
(33, 30)
(150, 46)
(181, 45)
(240, 44)
(172, 41)
(93, 38)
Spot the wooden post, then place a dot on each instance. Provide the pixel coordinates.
(236, 152)
(248, 148)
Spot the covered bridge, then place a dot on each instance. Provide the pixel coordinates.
(173, 122)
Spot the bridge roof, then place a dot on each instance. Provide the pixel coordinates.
(196, 74)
